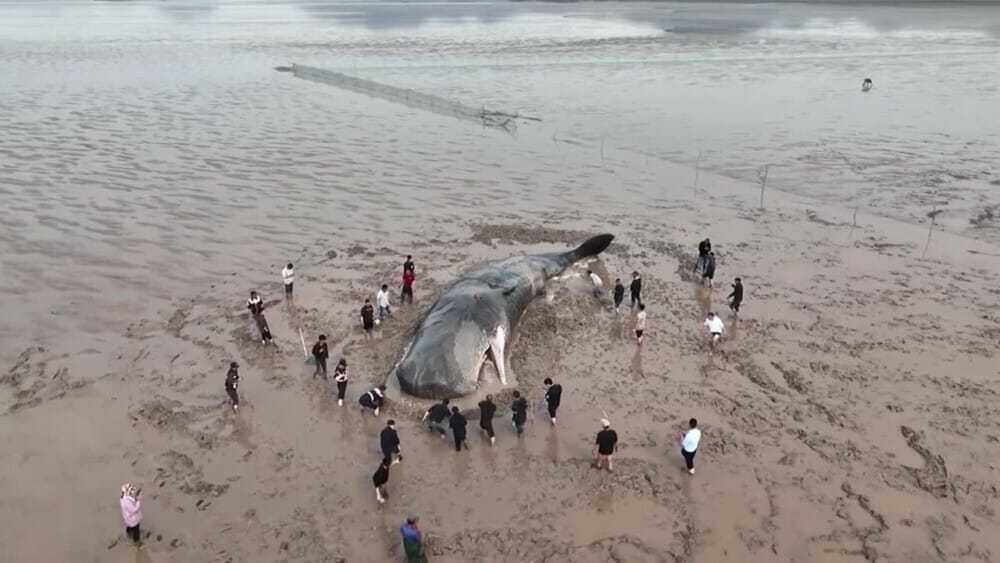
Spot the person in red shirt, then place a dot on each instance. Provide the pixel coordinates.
(407, 286)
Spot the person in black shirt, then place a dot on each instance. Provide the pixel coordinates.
(458, 424)
(340, 377)
(606, 445)
(389, 440)
(736, 296)
(519, 410)
(380, 478)
(321, 352)
(436, 415)
(368, 318)
(487, 408)
(704, 247)
(553, 396)
(232, 384)
(635, 289)
(408, 266)
(619, 294)
(373, 399)
(255, 304)
(709, 272)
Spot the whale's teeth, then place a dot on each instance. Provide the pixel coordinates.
(497, 344)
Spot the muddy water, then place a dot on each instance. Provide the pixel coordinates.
(154, 168)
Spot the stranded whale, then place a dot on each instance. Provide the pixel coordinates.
(474, 320)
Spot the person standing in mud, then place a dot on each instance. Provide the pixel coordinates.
(407, 294)
(605, 446)
(233, 384)
(288, 278)
(409, 266)
(380, 479)
(553, 396)
(320, 353)
(413, 541)
(619, 294)
(704, 248)
(715, 328)
(487, 409)
(736, 297)
(708, 273)
(635, 289)
(640, 324)
(689, 444)
(382, 300)
(340, 377)
(458, 425)
(598, 284)
(436, 415)
(519, 413)
(373, 399)
(130, 504)
(256, 306)
(389, 442)
(368, 318)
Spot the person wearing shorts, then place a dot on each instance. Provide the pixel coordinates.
(605, 446)
(640, 323)
(689, 444)
(487, 409)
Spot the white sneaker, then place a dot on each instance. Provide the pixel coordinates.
(340, 402)
(691, 471)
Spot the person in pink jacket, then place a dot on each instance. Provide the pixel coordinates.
(131, 505)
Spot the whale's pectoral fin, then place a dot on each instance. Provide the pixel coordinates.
(498, 343)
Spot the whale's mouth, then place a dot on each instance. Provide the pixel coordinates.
(491, 366)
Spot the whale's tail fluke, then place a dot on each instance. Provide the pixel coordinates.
(591, 247)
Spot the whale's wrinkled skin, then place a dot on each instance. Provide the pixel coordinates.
(474, 319)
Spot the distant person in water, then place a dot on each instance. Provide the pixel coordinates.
(867, 84)
(320, 353)
(598, 284)
(373, 399)
(130, 504)
(689, 444)
(708, 273)
(635, 289)
(553, 397)
(715, 328)
(382, 300)
(288, 277)
(407, 294)
(413, 541)
(233, 384)
(380, 479)
(340, 377)
(368, 318)
(736, 297)
(389, 442)
(605, 446)
(487, 409)
(640, 324)
(519, 413)
(458, 425)
(436, 415)
(619, 294)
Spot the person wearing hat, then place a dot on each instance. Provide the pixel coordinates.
(131, 507)
(232, 384)
(413, 540)
(606, 445)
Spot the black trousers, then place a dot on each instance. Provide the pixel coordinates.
(288, 288)
(459, 440)
(341, 389)
(320, 365)
(552, 409)
(133, 533)
(407, 294)
(233, 395)
(735, 305)
(688, 458)
(487, 425)
(636, 300)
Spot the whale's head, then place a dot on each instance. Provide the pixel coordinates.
(446, 356)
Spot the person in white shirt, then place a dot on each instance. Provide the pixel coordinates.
(640, 323)
(689, 444)
(288, 276)
(598, 284)
(382, 300)
(715, 329)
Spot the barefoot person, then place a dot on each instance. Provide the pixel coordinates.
(232, 384)
(736, 297)
(288, 278)
(340, 377)
(458, 425)
(368, 318)
(373, 399)
(708, 273)
(640, 323)
(715, 328)
(689, 444)
(605, 446)
(389, 442)
(320, 353)
(519, 413)
(380, 478)
(619, 294)
(435, 417)
(553, 396)
(487, 409)
(413, 541)
(256, 306)
(131, 507)
(382, 300)
(635, 289)
(407, 294)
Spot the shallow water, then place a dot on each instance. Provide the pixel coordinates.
(149, 147)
